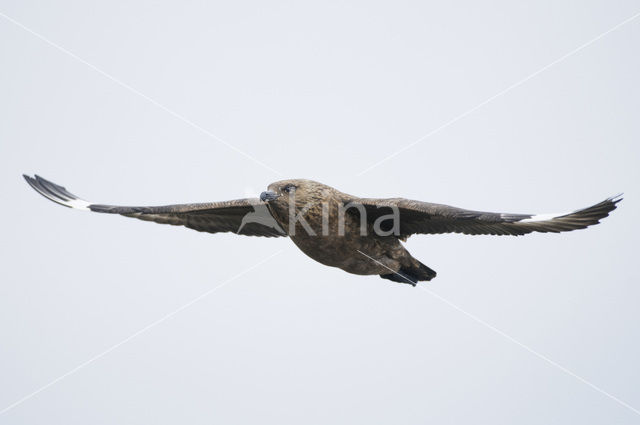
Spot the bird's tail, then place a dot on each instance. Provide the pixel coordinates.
(411, 274)
(420, 271)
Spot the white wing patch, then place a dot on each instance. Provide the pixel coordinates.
(78, 204)
(543, 217)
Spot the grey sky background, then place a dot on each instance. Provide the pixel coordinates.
(318, 90)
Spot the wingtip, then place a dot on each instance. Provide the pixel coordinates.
(43, 181)
(616, 198)
(55, 193)
(31, 181)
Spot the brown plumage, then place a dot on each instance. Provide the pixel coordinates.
(358, 235)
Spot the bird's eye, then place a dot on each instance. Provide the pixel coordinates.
(288, 188)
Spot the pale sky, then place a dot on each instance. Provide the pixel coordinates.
(103, 318)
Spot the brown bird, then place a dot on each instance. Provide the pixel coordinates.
(358, 235)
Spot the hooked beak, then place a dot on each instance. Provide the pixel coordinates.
(268, 196)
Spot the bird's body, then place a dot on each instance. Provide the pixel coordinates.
(335, 237)
(358, 235)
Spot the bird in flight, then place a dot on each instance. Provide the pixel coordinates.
(358, 235)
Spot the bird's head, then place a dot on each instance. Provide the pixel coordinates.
(301, 192)
(287, 198)
(292, 188)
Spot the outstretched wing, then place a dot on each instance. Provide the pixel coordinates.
(212, 217)
(424, 217)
